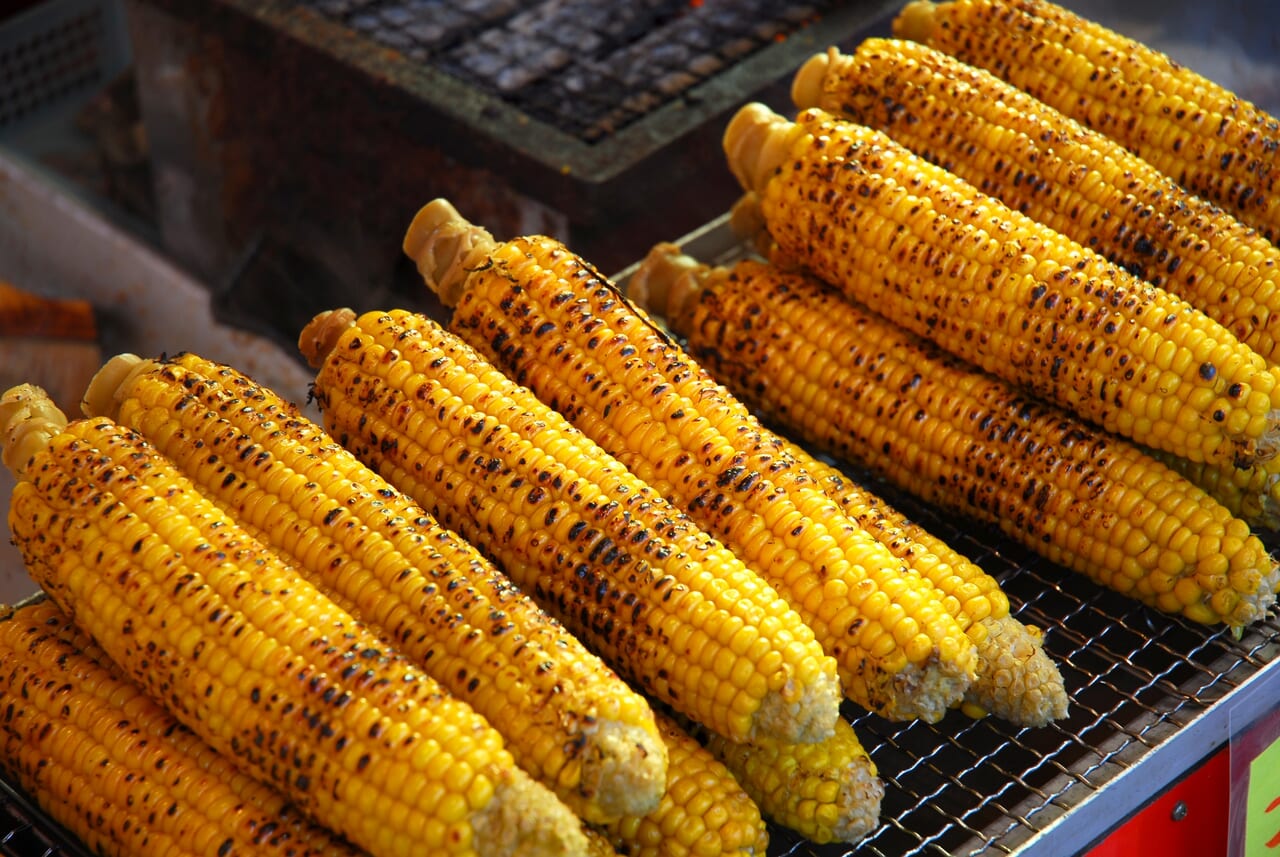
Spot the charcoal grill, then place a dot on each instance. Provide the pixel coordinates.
(318, 127)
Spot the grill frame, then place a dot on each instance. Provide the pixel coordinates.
(478, 127)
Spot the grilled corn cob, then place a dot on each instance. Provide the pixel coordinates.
(861, 388)
(1014, 678)
(704, 811)
(552, 323)
(252, 658)
(568, 719)
(927, 250)
(658, 598)
(115, 768)
(828, 791)
(1217, 145)
(1049, 167)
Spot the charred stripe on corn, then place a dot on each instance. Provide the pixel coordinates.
(924, 248)
(252, 658)
(1049, 167)
(568, 719)
(115, 768)
(1210, 140)
(864, 390)
(553, 323)
(661, 600)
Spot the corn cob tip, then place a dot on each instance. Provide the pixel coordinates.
(102, 397)
(446, 246)
(667, 282)
(828, 791)
(628, 771)
(755, 144)
(321, 334)
(1017, 681)
(807, 85)
(28, 419)
(524, 819)
(915, 21)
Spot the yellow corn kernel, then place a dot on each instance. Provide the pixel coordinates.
(626, 571)
(568, 720)
(1032, 157)
(968, 442)
(891, 230)
(1216, 144)
(704, 811)
(76, 720)
(122, 541)
(828, 791)
(553, 323)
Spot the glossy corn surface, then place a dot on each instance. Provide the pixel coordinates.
(704, 811)
(928, 251)
(553, 323)
(116, 769)
(1046, 165)
(246, 653)
(1251, 493)
(568, 719)
(664, 603)
(1014, 678)
(866, 391)
(1216, 144)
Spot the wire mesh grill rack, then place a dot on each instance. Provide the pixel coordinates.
(1141, 683)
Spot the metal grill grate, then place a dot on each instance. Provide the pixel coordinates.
(585, 67)
(25, 831)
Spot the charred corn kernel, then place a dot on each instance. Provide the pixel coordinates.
(703, 813)
(1014, 677)
(659, 599)
(925, 249)
(180, 596)
(1216, 144)
(866, 391)
(827, 791)
(547, 319)
(1035, 159)
(116, 769)
(568, 719)
(24, 313)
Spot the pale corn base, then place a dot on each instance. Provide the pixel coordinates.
(1016, 680)
(633, 764)
(925, 691)
(804, 719)
(524, 819)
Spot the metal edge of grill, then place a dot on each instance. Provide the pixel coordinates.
(479, 127)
